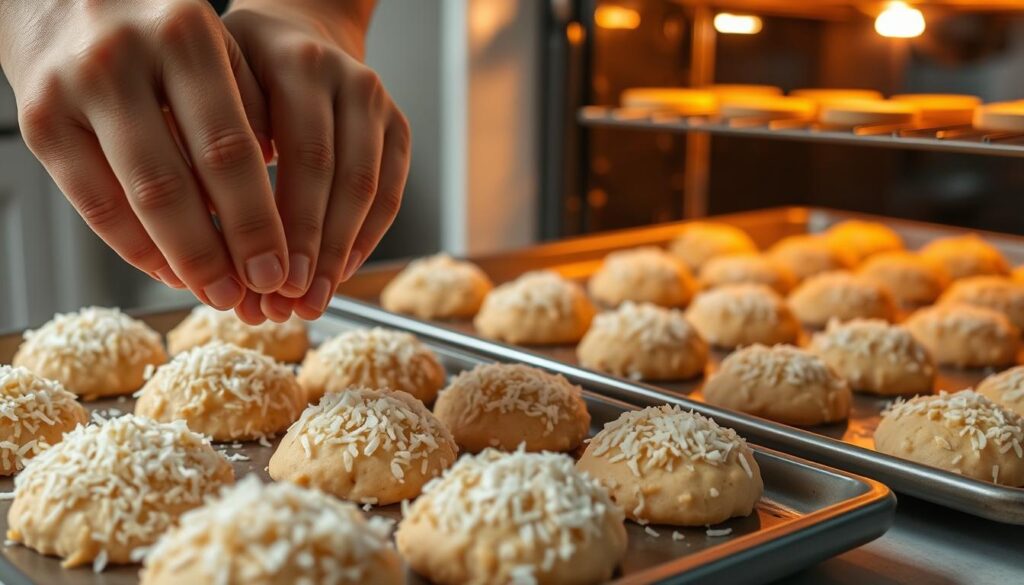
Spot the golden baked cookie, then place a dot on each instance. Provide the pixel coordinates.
(967, 255)
(876, 357)
(840, 295)
(807, 255)
(965, 336)
(538, 308)
(35, 413)
(437, 287)
(1018, 274)
(746, 269)
(741, 314)
(993, 292)
(647, 274)
(700, 241)
(285, 342)
(912, 279)
(863, 238)
(1005, 389)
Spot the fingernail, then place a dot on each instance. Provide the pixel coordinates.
(168, 277)
(225, 293)
(276, 307)
(318, 295)
(355, 260)
(264, 271)
(298, 270)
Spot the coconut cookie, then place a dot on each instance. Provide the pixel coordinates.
(807, 255)
(367, 446)
(107, 492)
(781, 383)
(964, 256)
(644, 342)
(275, 534)
(964, 432)
(437, 287)
(993, 292)
(376, 358)
(741, 314)
(34, 414)
(646, 274)
(538, 308)
(93, 353)
(912, 279)
(841, 295)
(513, 518)
(285, 342)
(664, 465)
(701, 241)
(876, 357)
(225, 392)
(863, 238)
(965, 336)
(746, 269)
(1005, 389)
(508, 405)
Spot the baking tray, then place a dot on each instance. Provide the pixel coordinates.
(847, 446)
(808, 513)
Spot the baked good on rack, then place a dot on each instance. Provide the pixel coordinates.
(807, 255)
(876, 357)
(912, 279)
(965, 336)
(964, 432)
(781, 383)
(508, 405)
(437, 287)
(94, 352)
(699, 241)
(285, 342)
(647, 274)
(376, 358)
(513, 518)
(644, 342)
(108, 491)
(538, 308)
(367, 446)
(942, 109)
(849, 113)
(681, 100)
(1000, 116)
(1005, 389)
(35, 413)
(863, 238)
(964, 256)
(224, 392)
(827, 94)
(993, 292)
(766, 106)
(741, 314)
(746, 269)
(841, 295)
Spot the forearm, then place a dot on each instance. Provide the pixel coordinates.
(344, 21)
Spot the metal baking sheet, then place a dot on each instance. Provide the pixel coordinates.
(849, 445)
(808, 513)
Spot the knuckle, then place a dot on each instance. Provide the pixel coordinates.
(306, 226)
(402, 134)
(199, 260)
(228, 149)
(367, 85)
(156, 190)
(99, 211)
(333, 251)
(361, 183)
(142, 254)
(316, 156)
(37, 118)
(390, 202)
(182, 23)
(104, 57)
(251, 224)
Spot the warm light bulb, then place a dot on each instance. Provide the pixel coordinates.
(737, 24)
(900, 21)
(620, 17)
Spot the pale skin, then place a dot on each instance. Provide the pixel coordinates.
(150, 114)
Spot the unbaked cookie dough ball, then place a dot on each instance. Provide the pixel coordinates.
(369, 446)
(964, 256)
(437, 287)
(107, 492)
(1005, 389)
(664, 465)
(876, 357)
(646, 274)
(747, 269)
(781, 383)
(35, 413)
(965, 336)
(701, 241)
(993, 292)
(741, 314)
(508, 405)
(807, 255)
(863, 238)
(644, 342)
(841, 295)
(375, 358)
(964, 432)
(513, 518)
(285, 342)
(95, 352)
(912, 279)
(225, 392)
(538, 308)
(276, 534)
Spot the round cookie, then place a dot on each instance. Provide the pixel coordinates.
(224, 392)
(508, 405)
(741, 314)
(967, 255)
(285, 342)
(437, 287)
(700, 241)
(840, 295)
(643, 342)
(376, 358)
(269, 534)
(863, 238)
(107, 492)
(912, 279)
(35, 413)
(746, 269)
(367, 446)
(965, 336)
(993, 292)
(513, 518)
(807, 255)
(964, 432)
(538, 308)
(664, 465)
(1005, 389)
(93, 353)
(646, 274)
(781, 383)
(876, 357)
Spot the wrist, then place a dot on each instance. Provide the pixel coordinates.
(343, 23)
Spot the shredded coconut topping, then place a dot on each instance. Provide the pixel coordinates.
(226, 326)
(780, 364)
(379, 357)
(968, 413)
(643, 263)
(650, 325)
(441, 273)
(27, 404)
(961, 319)
(543, 291)
(872, 338)
(751, 303)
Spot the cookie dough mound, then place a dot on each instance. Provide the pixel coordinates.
(367, 446)
(285, 342)
(644, 342)
(912, 279)
(664, 465)
(35, 413)
(741, 314)
(646, 274)
(965, 336)
(1005, 389)
(107, 492)
(993, 292)
(513, 518)
(863, 238)
(807, 255)
(437, 287)
(841, 295)
(375, 358)
(276, 534)
(93, 353)
(781, 383)
(538, 308)
(746, 269)
(701, 241)
(876, 357)
(964, 256)
(508, 405)
(964, 432)
(225, 392)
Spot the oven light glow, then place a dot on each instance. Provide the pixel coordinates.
(737, 24)
(616, 17)
(900, 21)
